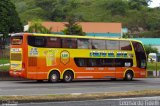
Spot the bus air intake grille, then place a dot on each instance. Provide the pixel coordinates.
(16, 56)
(32, 61)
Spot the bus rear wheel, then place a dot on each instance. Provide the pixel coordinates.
(128, 76)
(68, 76)
(54, 77)
(39, 81)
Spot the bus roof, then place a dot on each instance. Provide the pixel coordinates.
(72, 36)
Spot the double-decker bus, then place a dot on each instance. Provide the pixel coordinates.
(67, 57)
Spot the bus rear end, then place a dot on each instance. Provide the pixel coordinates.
(16, 56)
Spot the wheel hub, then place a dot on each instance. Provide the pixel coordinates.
(54, 77)
(68, 77)
(129, 76)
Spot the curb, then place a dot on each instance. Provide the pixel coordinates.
(78, 97)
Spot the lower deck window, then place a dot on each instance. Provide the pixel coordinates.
(103, 62)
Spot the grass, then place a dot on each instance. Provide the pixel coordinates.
(151, 66)
(4, 68)
(4, 61)
(73, 97)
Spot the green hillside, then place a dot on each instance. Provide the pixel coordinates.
(134, 14)
(28, 10)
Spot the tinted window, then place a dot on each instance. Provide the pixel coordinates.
(81, 62)
(16, 40)
(123, 62)
(84, 44)
(37, 41)
(93, 62)
(98, 44)
(125, 45)
(112, 45)
(138, 47)
(69, 43)
(108, 62)
(53, 42)
(86, 62)
(103, 62)
(140, 54)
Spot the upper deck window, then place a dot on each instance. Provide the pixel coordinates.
(37, 41)
(69, 43)
(98, 44)
(53, 42)
(125, 45)
(16, 40)
(112, 44)
(84, 44)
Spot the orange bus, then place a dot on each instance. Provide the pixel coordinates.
(67, 57)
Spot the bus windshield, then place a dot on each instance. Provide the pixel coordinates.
(140, 54)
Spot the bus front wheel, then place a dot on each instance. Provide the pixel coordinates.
(54, 77)
(128, 76)
(68, 76)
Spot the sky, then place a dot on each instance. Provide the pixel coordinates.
(155, 3)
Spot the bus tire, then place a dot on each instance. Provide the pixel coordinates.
(113, 79)
(54, 76)
(39, 81)
(68, 76)
(128, 76)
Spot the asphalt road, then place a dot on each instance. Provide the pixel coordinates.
(96, 86)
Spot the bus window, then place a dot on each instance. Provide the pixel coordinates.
(84, 44)
(16, 40)
(125, 45)
(81, 62)
(108, 62)
(69, 43)
(94, 62)
(123, 62)
(112, 45)
(98, 44)
(36, 41)
(53, 42)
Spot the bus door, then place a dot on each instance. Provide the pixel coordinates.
(140, 55)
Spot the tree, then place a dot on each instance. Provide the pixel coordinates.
(9, 20)
(133, 14)
(150, 49)
(72, 27)
(37, 27)
(117, 7)
(138, 4)
(58, 10)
